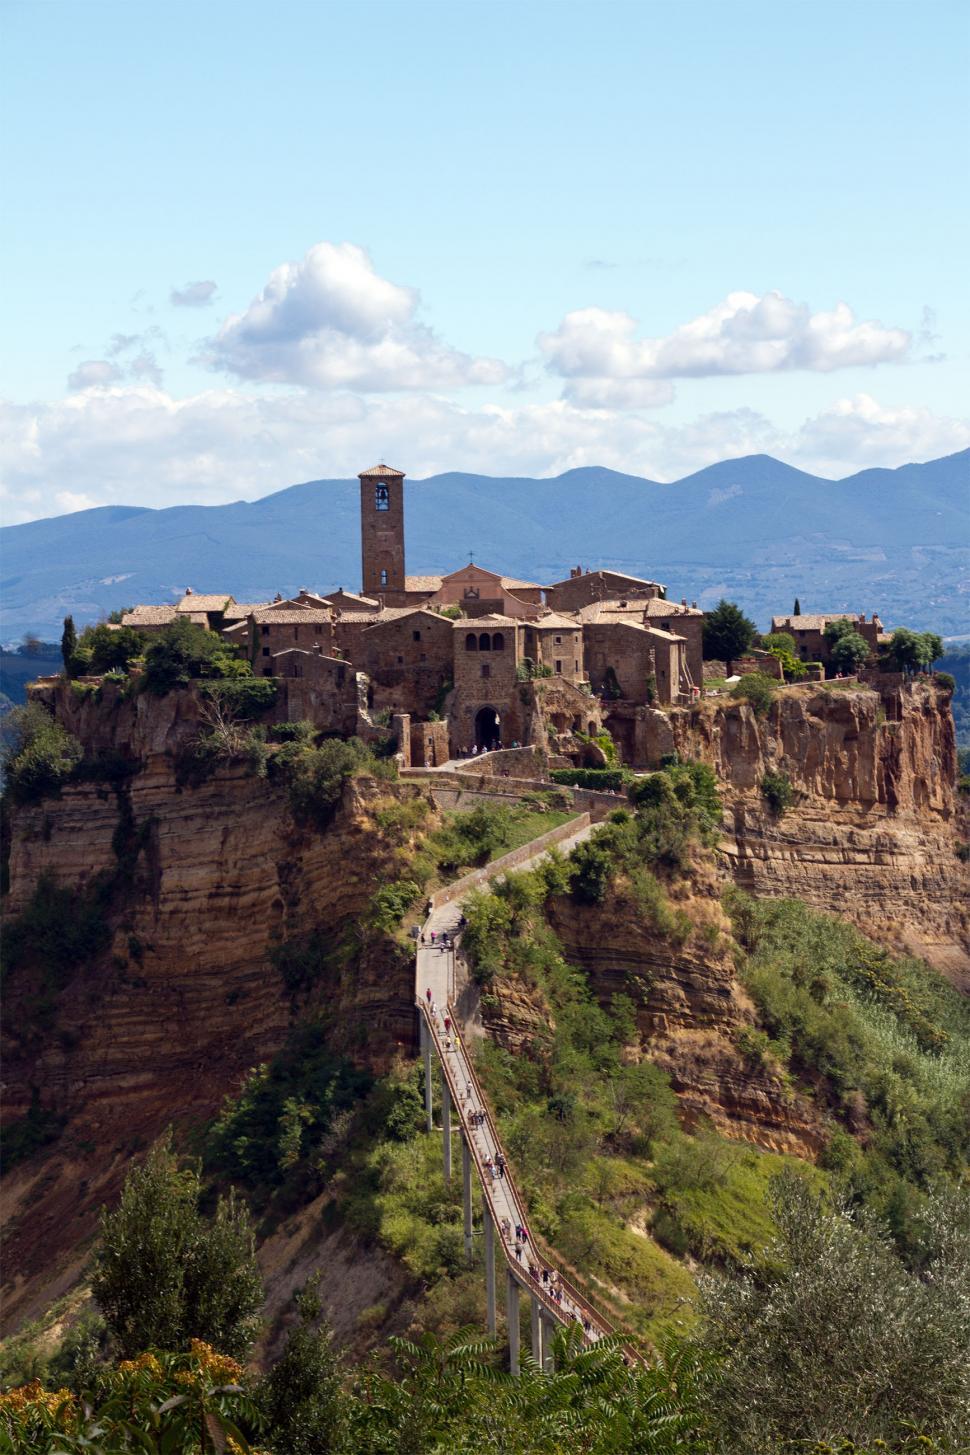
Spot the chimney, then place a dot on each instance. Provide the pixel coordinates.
(189, 591)
(694, 605)
(683, 601)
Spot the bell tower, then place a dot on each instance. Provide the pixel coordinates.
(382, 532)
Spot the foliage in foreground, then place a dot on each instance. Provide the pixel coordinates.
(165, 1273)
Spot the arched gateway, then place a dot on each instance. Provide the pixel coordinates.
(488, 733)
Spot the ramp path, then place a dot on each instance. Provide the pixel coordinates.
(553, 1299)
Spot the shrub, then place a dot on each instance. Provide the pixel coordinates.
(184, 652)
(599, 778)
(316, 776)
(777, 791)
(102, 649)
(38, 755)
(758, 690)
(945, 680)
(245, 698)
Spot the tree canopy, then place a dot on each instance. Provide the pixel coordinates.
(728, 633)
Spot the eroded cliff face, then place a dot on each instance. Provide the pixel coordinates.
(873, 833)
(690, 1010)
(185, 998)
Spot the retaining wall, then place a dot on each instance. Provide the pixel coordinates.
(509, 861)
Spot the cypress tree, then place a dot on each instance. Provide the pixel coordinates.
(68, 644)
(798, 608)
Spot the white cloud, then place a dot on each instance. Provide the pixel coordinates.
(859, 433)
(193, 295)
(136, 444)
(330, 321)
(93, 374)
(744, 334)
(68, 501)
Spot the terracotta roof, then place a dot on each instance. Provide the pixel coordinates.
(368, 618)
(422, 583)
(470, 623)
(816, 622)
(616, 575)
(317, 656)
(148, 616)
(380, 470)
(656, 606)
(238, 610)
(510, 584)
(296, 616)
(350, 596)
(202, 601)
(555, 621)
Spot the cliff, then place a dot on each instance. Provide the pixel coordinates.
(874, 830)
(164, 1019)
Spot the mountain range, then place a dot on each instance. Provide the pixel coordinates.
(753, 529)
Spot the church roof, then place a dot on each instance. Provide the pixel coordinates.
(382, 469)
(422, 583)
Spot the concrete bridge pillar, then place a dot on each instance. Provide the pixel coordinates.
(512, 1318)
(548, 1329)
(426, 1052)
(537, 1329)
(489, 1266)
(446, 1125)
(466, 1193)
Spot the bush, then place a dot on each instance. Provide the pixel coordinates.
(184, 652)
(165, 1274)
(101, 649)
(245, 698)
(38, 755)
(316, 776)
(598, 778)
(758, 690)
(945, 680)
(777, 791)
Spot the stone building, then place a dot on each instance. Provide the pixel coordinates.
(809, 632)
(583, 587)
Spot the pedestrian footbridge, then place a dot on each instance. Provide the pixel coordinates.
(511, 1253)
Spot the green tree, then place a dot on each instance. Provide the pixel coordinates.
(68, 645)
(849, 651)
(727, 633)
(38, 755)
(302, 1397)
(185, 651)
(165, 1274)
(833, 1338)
(105, 649)
(914, 651)
(757, 689)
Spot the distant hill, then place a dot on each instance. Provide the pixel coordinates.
(753, 529)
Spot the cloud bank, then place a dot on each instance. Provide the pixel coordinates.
(598, 353)
(330, 321)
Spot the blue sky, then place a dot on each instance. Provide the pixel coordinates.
(510, 238)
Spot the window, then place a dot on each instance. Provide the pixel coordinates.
(296, 633)
(265, 631)
(266, 651)
(484, 642)
(382, 500)
(486, 670)
(415, 636)
(558, 641)
(498, 642)
(559, 669)
(383, 578)
(471, 642)
(400, 661)
(267, 671)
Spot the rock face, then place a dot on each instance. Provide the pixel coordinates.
(166, 1021)
(873, 832)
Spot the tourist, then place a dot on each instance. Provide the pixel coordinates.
(434, 936)
(447, 1024)
(428, 991)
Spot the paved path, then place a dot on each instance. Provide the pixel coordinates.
(435, 993)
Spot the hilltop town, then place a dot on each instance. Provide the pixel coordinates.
(474, 660)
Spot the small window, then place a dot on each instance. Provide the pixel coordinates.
(471, 642)
(486, 670)
(382, 500)
(558, 641)
(383, 578)
(266, 651)
(296, 633)
(267, 671)
(265, 631)
(484, 642)
(559, 669)
(400, 661)
(415, 636)
(498, 642)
